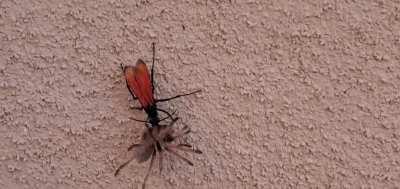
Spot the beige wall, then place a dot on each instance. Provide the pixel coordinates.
(296, 94)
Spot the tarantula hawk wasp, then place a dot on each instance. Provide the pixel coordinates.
(157, 138)
(141, 85)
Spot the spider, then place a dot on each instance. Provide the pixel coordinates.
(159, 140)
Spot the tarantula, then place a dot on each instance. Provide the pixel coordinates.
(157, 140)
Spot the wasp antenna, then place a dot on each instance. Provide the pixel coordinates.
(152, 66)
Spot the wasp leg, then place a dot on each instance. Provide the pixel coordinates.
(177, 96)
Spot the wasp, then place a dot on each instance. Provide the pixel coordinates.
(141, 85)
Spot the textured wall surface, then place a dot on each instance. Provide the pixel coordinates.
(296, 94)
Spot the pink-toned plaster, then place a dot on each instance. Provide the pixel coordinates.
(296, 94)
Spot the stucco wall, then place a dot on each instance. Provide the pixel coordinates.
(296, 94)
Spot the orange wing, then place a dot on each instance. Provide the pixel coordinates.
(139, 83)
